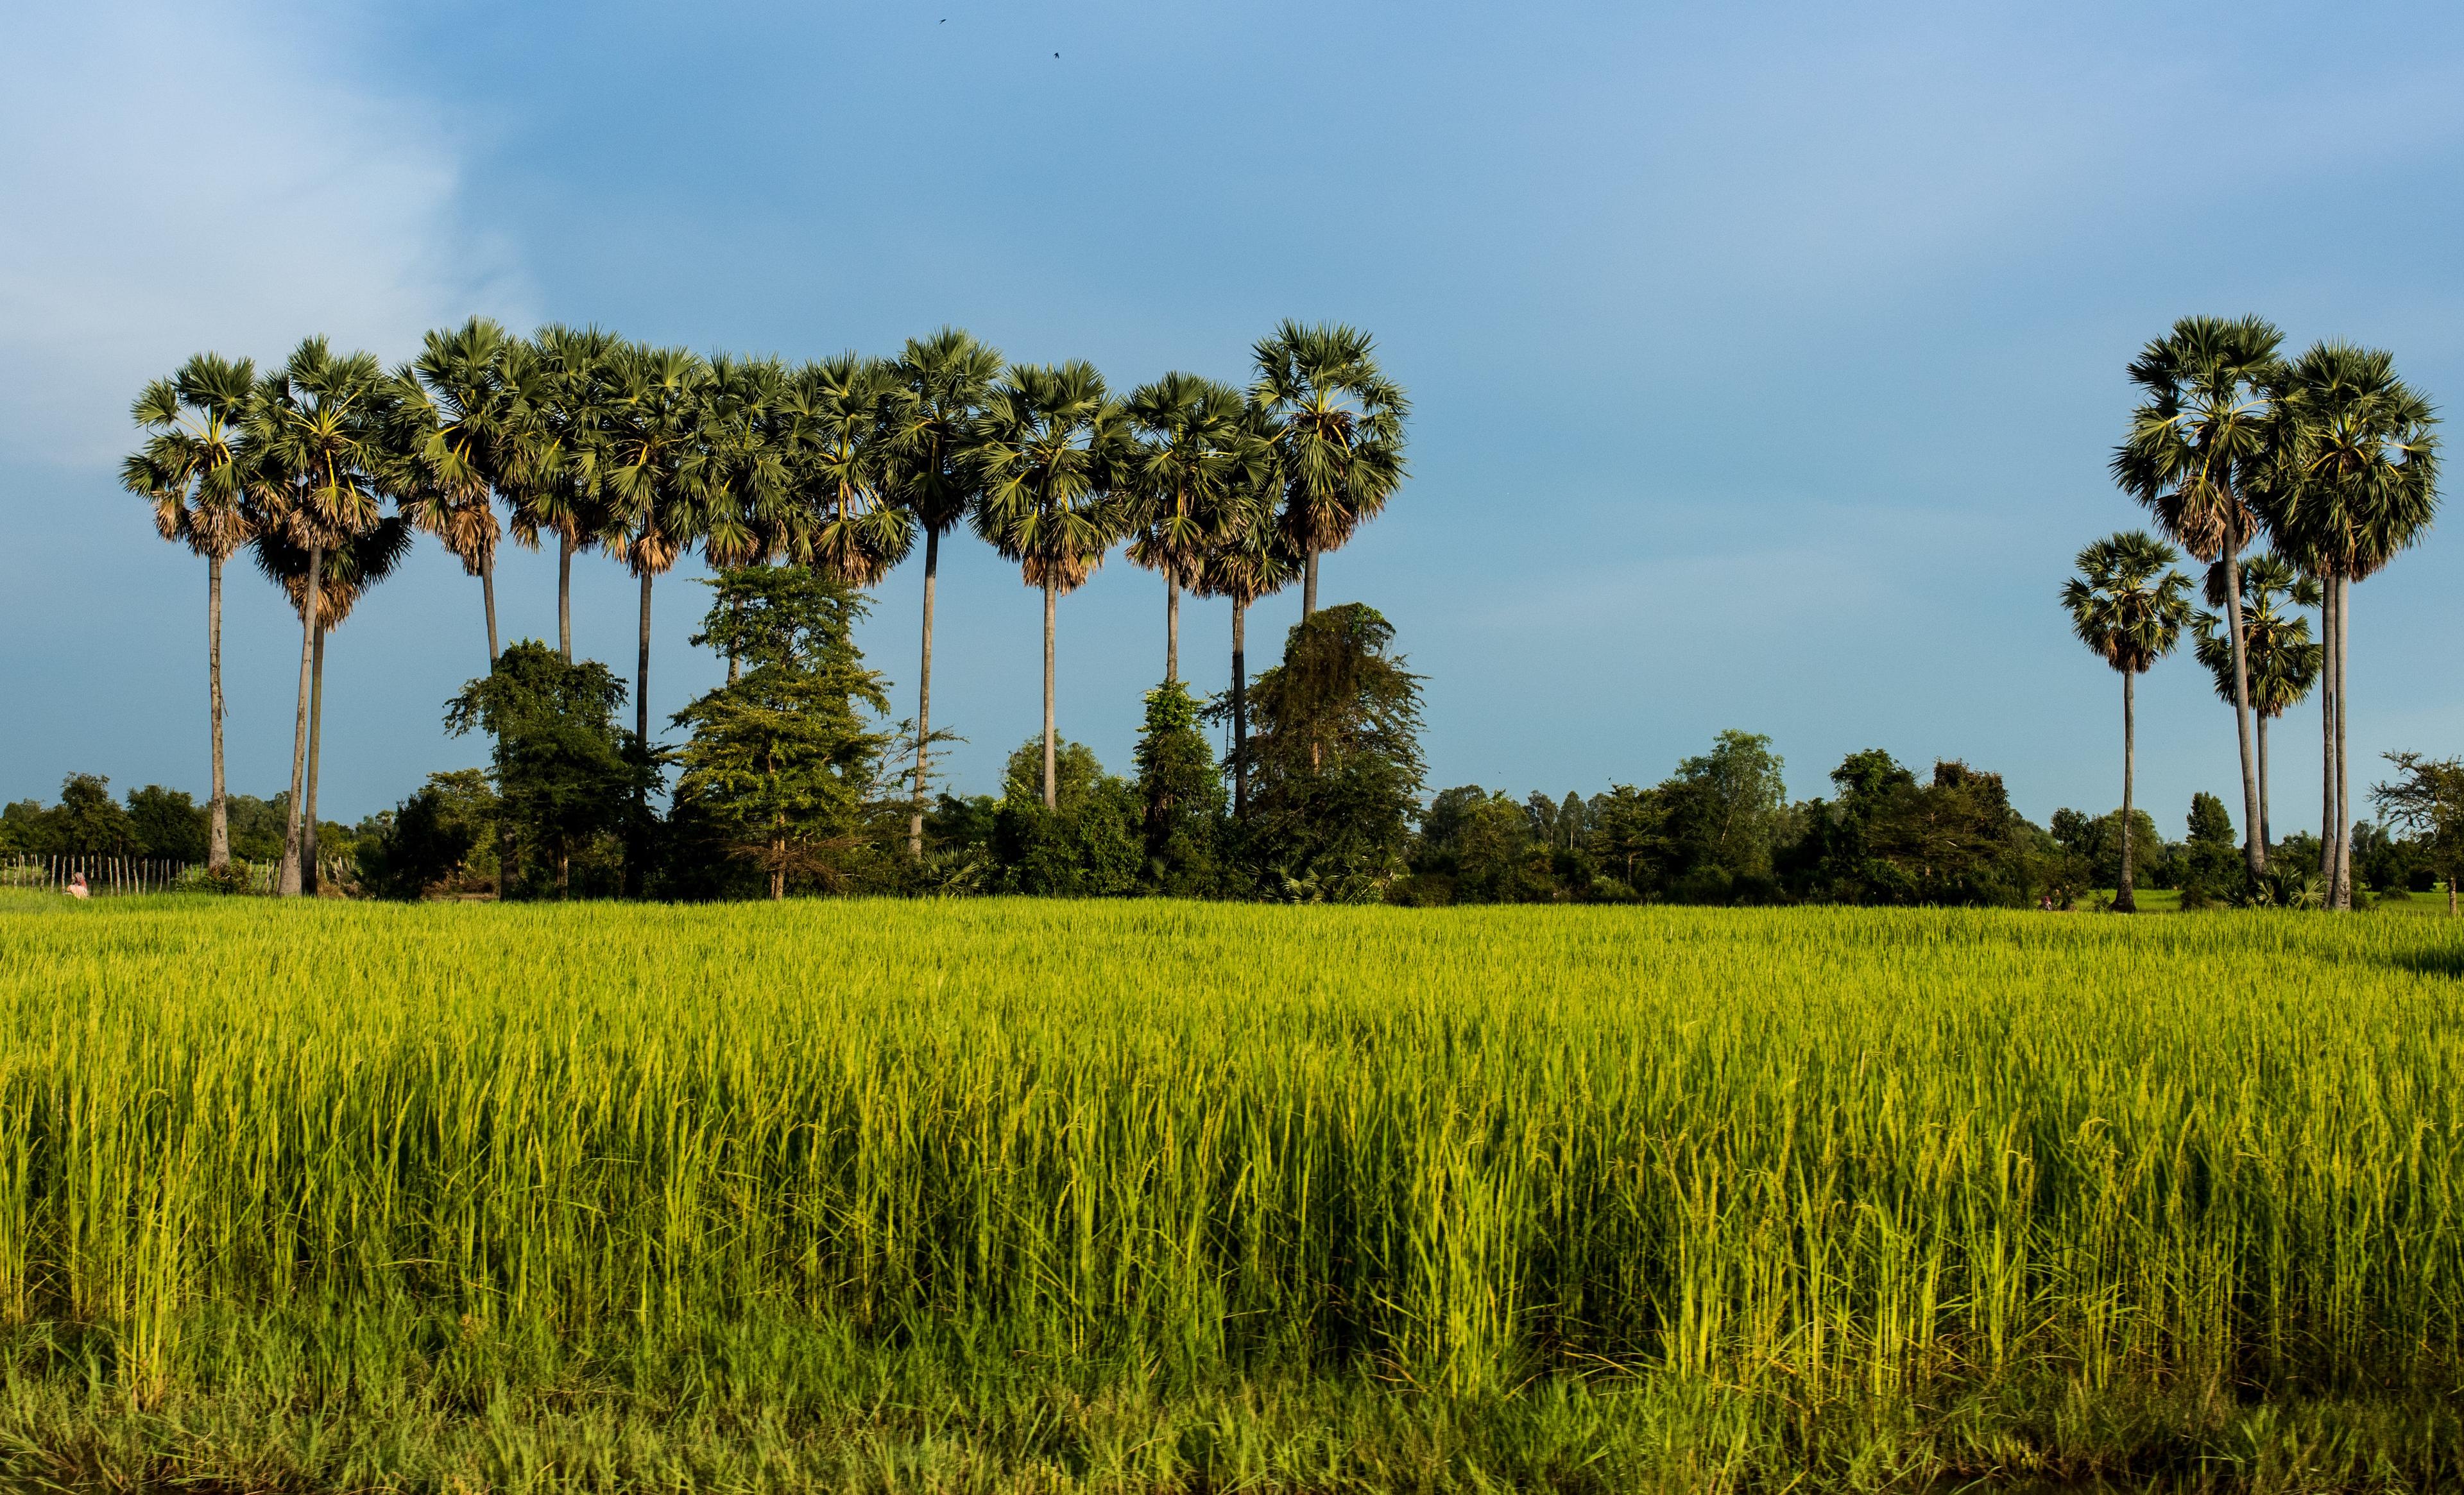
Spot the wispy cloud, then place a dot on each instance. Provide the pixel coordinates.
(188, 177)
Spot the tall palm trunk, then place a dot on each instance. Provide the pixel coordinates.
(924, 697)
(488, 596)
(2125, 900)
(1051, 790)
(286, 881)
(2266, 827)
(310, 876)
(2343, 742)
(1171, 629)
(219, 812)
(2253, 841)
(1308, 584)
(2328, 810)
(1239, 709)
(564, 594)
(642, 672)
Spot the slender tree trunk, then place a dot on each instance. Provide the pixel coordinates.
(1171, 629)
(2125, 900)
(924, 697)
(777, 859)
(487, 596)
(1051, 790)
(1240, 710)
(1308, 584)
(2343, 742)
(218, 811)
(564, 594)
(635, 852)
(311, 874)
(642, 672)
(286, 882)
(2253, 841)
(2327, 733)
(2266, 826)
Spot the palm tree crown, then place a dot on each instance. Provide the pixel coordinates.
(2126, 605)
(1340, 430)
(1050, 450)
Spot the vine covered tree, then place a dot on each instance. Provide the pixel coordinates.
(2129, 606)
(191, 470)
(1337, 757)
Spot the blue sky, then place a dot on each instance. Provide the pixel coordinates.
(1765, 358)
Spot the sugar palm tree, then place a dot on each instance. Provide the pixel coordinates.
(2194, 440)
(1340, 425)
(2353, 479)
(189, 468)
(2128, 608)
(350, 568)
(1194, 436)
(2280, 659)
(1049, 450)
(653, 433)
(940, 383)
(313, 452)
(560, 403)
(1246, 556)
(457, 436)
(839, 469)
(737, 470)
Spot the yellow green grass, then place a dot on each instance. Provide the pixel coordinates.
(1027, 1196)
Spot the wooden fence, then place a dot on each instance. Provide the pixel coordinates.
(108, 876)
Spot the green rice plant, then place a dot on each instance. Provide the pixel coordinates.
(1011, 1195)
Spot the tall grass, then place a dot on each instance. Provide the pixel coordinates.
(1694, 1189)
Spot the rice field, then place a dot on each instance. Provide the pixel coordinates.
(1012, 1195)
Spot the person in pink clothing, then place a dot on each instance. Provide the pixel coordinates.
(77, 886)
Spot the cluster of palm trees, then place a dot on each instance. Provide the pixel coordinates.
(324, 467)
(2328, 456)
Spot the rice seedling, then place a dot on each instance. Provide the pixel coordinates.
(1151, 1195)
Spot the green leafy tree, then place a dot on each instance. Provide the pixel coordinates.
(2427, 799)
(431, 842)
(1337, 757)
(2352, 479)
(1339, 430)
(567, 776)
(2128, 608)
(88, 821)
(1086, 844)
(1724, 810)
(1629, 835)
(2206, 850)
(168, 825)
(1181, 791)
(938, 389)
(1051, 449)
(2195, 443)
(785, 760)
(192, 469)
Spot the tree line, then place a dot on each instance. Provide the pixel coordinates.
(2331, 461)
(324, 468)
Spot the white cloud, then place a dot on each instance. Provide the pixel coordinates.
(180, 177)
